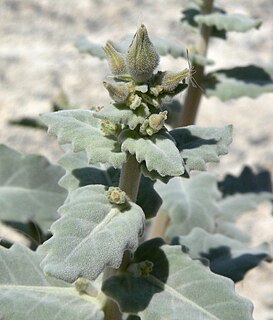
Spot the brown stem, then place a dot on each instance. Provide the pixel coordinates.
(129, 182)
(159, 225)
(193, 97)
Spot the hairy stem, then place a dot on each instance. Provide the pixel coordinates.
(193, 97)
(129, 182)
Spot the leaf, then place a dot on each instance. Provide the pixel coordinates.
(226, 84)
(157, 151)
(199, 145)
(28, 188)
(80, 174)
(163, 47)
(247, 181)
(228, 257)
(229, 22)
(177, 285)
(26, 293)
(91, 234)
(118, 113)
(87, 47)
(82, 130)
(28, 122)
(196, 202)
(190, 203)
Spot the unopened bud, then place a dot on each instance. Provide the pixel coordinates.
(153, 124)
(119, 92)
(116, 195)
(116, 60)
(85, 286)
(170, 80)
(141, 269)
(141, 58)
(109, 128)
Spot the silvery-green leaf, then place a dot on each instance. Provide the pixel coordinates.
(79, 173)
(29, 188)
(190, 203)
(26, 293)
(119, 113)
(82, 130)
(199, 145)
(247, 181)
(87, 47)
(91, 234)
(176, 287)
(228, 22)
(227, 257)
(163, 47)
(250, 81)
(157, 151)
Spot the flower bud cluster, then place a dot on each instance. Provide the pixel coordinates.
(116, 195)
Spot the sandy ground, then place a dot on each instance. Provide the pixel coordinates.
(37, 57)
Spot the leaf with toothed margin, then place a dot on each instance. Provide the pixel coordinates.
(91, 234)
(27, 293)
(81, 129)
(227, 257)
(119, 113)
(200, 145)
(228, 22)
(176, 286)
(196, 202)
(29, 188)
(79, 174)
(157, 151)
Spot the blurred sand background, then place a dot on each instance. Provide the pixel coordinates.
(38, 57)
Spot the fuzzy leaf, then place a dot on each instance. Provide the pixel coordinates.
(247, 181)
(177, 285)
(197, 203)
(118, 113)
(26, 293)
(228, 257)
(158, 152)
(199, 145)
(250, 81)
(91, 234)
(80, 174)
(163, 47)
(28, 188)
(82, 130)
(190, 203)
(229, 22)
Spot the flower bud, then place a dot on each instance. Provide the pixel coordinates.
(116, 60)
(109, 128)
(153, 124)
(116, 195)
(141, 58)
(170, 80)
(141, 269)
(119, 92)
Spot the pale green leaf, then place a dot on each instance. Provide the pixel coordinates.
(250, 81)
(91, 234)
(29, 188)
(227, 257)
(157, 151)
(228, 22)
(82, 130)
(118, 113)
(177, 286)
(190, 203)
(26, 293)
(79, 173)
(199, 145)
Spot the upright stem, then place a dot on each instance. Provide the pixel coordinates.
(193, 97)
(129, 182)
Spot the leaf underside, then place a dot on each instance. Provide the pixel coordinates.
(176, 286)
(91, 235)
(29, 188)
(26, 293)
